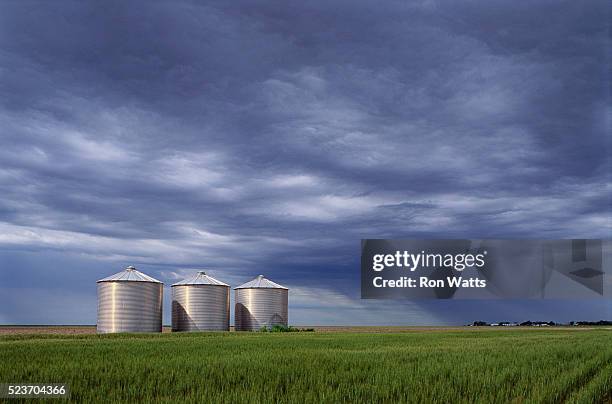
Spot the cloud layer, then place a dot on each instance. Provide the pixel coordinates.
(273, 137)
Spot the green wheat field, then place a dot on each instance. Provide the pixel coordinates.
(543, 366)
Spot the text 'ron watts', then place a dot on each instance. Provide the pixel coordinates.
(425, 282)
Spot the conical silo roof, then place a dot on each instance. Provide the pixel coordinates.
(130, 274)
(200, 278)
(260, 282)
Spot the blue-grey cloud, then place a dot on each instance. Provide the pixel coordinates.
(272, 137)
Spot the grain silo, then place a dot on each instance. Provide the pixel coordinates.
(200, 303)
(260, 303)
(129, 301)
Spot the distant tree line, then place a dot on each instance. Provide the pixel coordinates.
(600, 322)
(538, 323)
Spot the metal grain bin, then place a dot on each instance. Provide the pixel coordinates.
(129, 301)
(200, 303)
(260, 303)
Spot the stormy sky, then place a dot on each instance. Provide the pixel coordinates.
(270, 137)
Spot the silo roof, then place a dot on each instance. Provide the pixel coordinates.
(130, 274)
(200, 278)
(260, 282)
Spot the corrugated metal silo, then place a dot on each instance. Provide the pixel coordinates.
(129, 301)
(260, 303)
(200, 303)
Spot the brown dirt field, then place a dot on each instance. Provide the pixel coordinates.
(36, 329)
(394, 329)
(91, 329)
(52, 329)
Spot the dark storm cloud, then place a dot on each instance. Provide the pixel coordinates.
(271, 137)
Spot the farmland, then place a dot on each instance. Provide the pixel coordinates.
(552, 365)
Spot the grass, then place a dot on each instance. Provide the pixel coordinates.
(544, 366)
